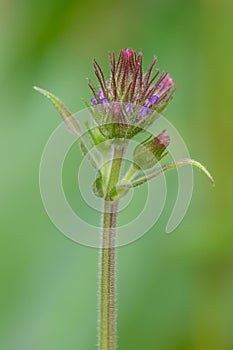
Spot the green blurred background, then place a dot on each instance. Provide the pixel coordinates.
(174, 292)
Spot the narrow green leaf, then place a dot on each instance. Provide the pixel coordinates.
(71, 124)
(64, 112)
(170, 166)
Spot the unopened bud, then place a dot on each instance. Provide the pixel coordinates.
(148, 154)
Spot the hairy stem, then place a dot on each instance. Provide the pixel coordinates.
(107, 283)
(107, 302)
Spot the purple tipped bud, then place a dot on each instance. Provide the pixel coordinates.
(127, 54)
(161, 142)
(127, 58)
(165, 85)
(148, 154)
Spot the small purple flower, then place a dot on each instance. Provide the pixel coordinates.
(143, 113)
(129, 109)
(100, 94)
(147, 103)
(154, 99)
(151, 101)
(104, 101)
(93, 101)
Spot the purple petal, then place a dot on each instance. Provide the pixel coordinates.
(100, 94)
(151, 101)
(154, 99)
(93, 101)
(143, 112)
(129, 108)
(104, 101)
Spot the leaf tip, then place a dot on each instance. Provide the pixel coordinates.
(205, 171)
(36, 88)
(212, 180)
(42, 91)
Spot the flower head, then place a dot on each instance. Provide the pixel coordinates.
(140, 93)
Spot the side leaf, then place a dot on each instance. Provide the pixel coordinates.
(64, 112)
(185, 161)
(71, 124)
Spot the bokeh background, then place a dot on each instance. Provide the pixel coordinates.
(174, 292)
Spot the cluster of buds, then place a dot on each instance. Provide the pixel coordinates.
(129, 97)
(129, 101)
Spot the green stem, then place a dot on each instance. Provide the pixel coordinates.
(114, 175)
(130, 174)
(107, 283)
(107, 303)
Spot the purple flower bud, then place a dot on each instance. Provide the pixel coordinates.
(160, 143)
(148, 154)
(127, 54)
(127, 58)
(165, 85)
